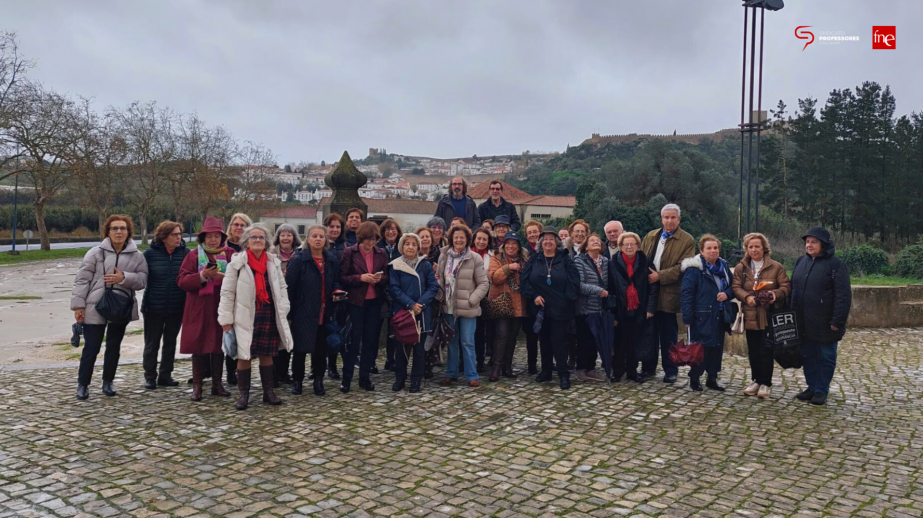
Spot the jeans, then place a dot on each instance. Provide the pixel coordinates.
(157, 326)
(93, 337)
(464, 340)
(819, 365)
(666, 336)
(554, 343)
(761, 359)
(364, 341)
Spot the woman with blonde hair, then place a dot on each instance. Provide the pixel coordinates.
(757, 269)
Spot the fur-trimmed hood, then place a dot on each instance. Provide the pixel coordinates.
(692, 262)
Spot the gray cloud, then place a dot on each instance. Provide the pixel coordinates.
(310, 79)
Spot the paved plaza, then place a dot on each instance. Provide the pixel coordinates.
(505, 449)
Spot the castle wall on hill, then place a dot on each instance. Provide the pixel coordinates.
(689, 138)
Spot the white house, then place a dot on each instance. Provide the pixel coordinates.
(298, 216)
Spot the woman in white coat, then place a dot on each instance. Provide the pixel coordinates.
(254, 302)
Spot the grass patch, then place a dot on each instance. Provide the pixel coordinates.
(41, 255)
(883, 280)
(19, 297)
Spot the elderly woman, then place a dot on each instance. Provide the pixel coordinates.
(463, 277)
(311, 277)
(235, 231)
(337, 238)
(706, 293)
(632, 296)
(412, 286)
(551, 281)
(577, 231)
(364, 275)
(501, 227)
(200, 277)
(254, 302)
(758, 268)
(286, 243)
(438, 226)
(503, 272)
(822, 295)
(533, 230)
(117, 265)
(163, 303)
(594, 290)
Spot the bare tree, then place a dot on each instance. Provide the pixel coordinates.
(42, 126)
(12, 72)
(151, 153)
(213, 153)
(252, 187)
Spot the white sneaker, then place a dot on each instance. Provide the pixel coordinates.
(752, 388)
(764, 392)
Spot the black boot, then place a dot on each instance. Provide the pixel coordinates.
(83, 392)
(543, 377)
(319, 386)
(266, 377)
(345, 384)
(398, 385)
(712, 383)
(231, 365)
(565, 380)
(414, 387)
(805, 395)
(109, 389)
(695, 384)
(366, 383)
(243, 385)
(332, 372)
(297, 387)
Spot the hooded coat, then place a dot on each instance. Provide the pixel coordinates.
(162, 295)
(101, 260)
(821, 292)
(408, 286)
(699, 302)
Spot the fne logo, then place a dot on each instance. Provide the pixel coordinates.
(884, 37)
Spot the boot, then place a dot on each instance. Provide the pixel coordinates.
(366, 383)
(83, 392)
(565, 380)
(231, 365)
(269, 397)
(398, 385)
(494, 373)
(109, 389)
(414, 387)
(543, 377)
(695, 384)
(196, 378)
(319, 386)
(243, 385)
(507, 372)
(216, 360)
(712, 383)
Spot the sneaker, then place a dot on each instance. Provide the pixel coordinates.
(581, 376)
(806, 395)
(764, 392)
(594, 375)
(752, 388)
(819, 399)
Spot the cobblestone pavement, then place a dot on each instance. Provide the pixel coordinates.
(504, 449)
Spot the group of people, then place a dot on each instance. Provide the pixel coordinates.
(471, 286)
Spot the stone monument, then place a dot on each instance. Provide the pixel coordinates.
(345, 181)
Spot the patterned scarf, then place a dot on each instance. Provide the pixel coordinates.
(632, 292)
(717, 270)
(451, 270)
(664, 235)
(599, 263)
(221, 255)
(259, 276)
(412, 263)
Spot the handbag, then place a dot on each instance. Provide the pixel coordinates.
(441, 336)
(115, 305)
(498, 307)
(785, 328)
(738, 327)
(688, 352)
(229, 343)
(405, 328)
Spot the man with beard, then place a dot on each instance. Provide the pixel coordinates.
(457, 204)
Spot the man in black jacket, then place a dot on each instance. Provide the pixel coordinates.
(822, 295)
(496, 206)
(458, 204)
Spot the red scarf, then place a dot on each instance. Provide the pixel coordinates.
(632, 293)
(259, 276)
(480, 253)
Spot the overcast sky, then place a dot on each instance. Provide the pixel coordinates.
(453, 78)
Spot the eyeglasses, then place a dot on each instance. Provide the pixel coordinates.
(496, 189)
(118, 229)
(176, 234)
(239, 225)
(629, 244)
(437, 227)
(257, 238)
(457, 184)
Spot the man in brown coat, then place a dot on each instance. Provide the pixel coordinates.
(667, 246)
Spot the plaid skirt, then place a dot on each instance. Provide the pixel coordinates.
(266, 338)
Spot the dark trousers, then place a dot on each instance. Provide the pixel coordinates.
(157, 327)
(819, 365)
(318, 358)
(586, 345)
(230, 366)
(761, 359)
(618, 356)
(629, 331)
(418, 353)
(481, 339)
(666, 335)
(711, 365)
(554, 343)
(280, 365)
(531, 341)
(93, 337)
(364, 342)
(506, 331)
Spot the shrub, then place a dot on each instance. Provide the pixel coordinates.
(910, 262)
(864, 259)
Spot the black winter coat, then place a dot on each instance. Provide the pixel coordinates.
(561, 296)
(446, 211)
(488, 210)
(822, 294)
(163, 296)
(304, 294)
(618, 288)
(337, 247)
(394, 254)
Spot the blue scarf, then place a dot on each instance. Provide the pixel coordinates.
(718, 271)
(666, 235)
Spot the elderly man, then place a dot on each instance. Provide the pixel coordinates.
(613, 230)
(457, 204)
(820, 276)
(668, 246)
(497, 206)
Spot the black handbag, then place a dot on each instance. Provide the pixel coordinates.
(115, 305)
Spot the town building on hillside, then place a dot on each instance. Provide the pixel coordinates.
(298, 216)
(409, 214)
(529, 207)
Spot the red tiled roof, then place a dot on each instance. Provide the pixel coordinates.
(293, 212)
(482, 191)
(391, 206)
(547, 201)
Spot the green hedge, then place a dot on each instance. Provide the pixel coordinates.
(865, 260)
(910, 262)
(67, 218)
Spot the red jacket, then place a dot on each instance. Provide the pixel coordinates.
(352, 266)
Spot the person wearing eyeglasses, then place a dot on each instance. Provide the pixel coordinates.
(254, 302)
(163, 303)
(438, 227)
(457, 204)
(115, 263)
(496, 205)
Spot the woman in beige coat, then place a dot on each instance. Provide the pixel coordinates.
(757, 268)
(462, 276)
(254, 302)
